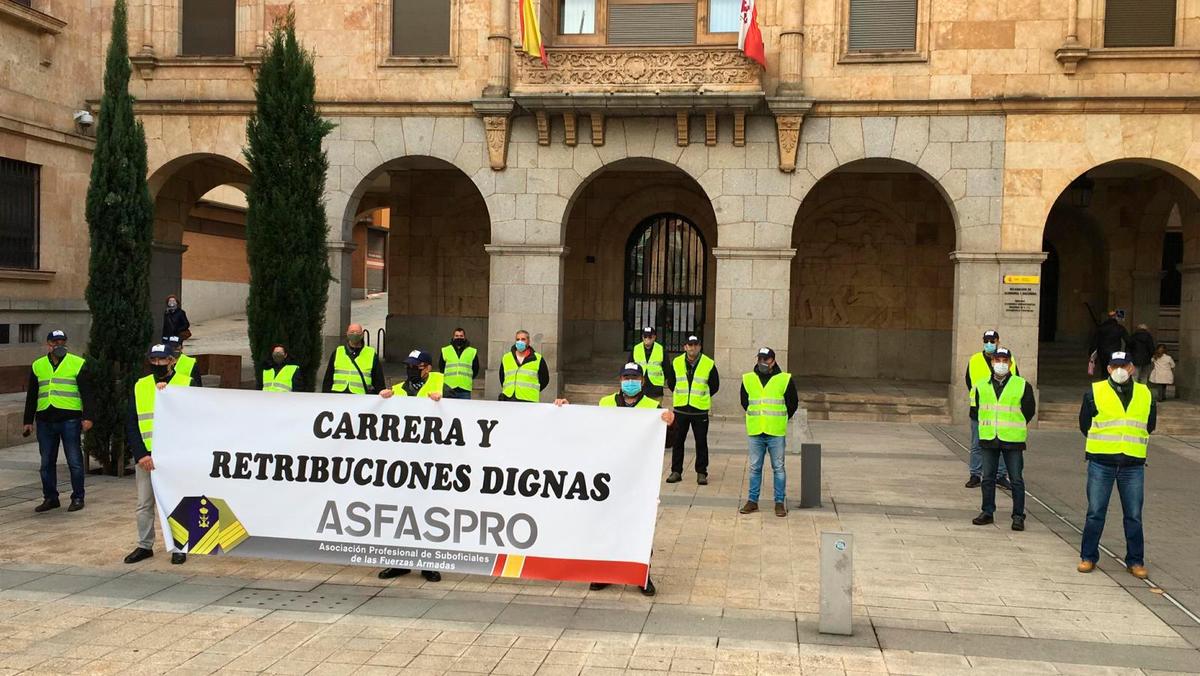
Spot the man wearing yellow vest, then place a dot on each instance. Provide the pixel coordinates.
(139, 436)
(693, 381)
(631, 395)
(1002, 406)
(980, 368)
(523, 372)
(354, 368)
(459, 363)
(769, 398)
(422, 381)
(1117, 417)
(650, 355)
(59, 399)
(280, 373)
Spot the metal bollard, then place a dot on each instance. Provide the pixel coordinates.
(837, 583)
(810, 475)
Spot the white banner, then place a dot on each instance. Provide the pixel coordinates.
(483, 487)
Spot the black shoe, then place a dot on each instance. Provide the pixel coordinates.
(597, 586)
(389, 573)
(431, 575)
(702, 479)
(76, 505)
(47, 505)
(178, 558)
(1004, 483)
(674, 478)
(973, 482)
(138, 554)
(649, 589)
(983, 519)
(1018, 522)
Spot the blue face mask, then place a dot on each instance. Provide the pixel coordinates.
(631, 388)
(520, 345)
(990, 348)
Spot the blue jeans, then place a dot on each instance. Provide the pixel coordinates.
(457, 394)
(760, 446)
(1016, 463)
(975, 466)
(48, 436)
(1130, 482)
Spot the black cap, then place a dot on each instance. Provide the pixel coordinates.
(631, 369)
(991, 334)
(1118, 359)
(692, 340)
(56, 334)
(159, 351)
(172, 340)
(1002, 352)
(649, 331)
(418, 357)
(766, 353)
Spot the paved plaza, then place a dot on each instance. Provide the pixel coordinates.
(737, 594)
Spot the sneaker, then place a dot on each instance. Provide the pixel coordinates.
(973, 482)
(649, 589)
(597, 586)
(431, 575)
(1018, 522)
(702, 479)
(749, 507)
(674, 478)
(138, 554)
(1139, 572)
(1004, 483)
(76, 505)
(389, 573)
(1086, 566)
(983, 519)
(178, 558)
(780, 509)
(47, 505)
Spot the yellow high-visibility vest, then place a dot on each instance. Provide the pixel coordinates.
(458, 371)
(767, 409)
(434, 383)
(1116, 430)
(346, 376)
(58, 386)
(144, 392)
(611, 402)
(696, 393)
(521, 382)
(652, 365)
(279, 380)
(1002, 416)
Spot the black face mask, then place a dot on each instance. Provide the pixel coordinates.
(459, 343)
(59, 351)
(160, 371)
(414, 373)
(762, 369)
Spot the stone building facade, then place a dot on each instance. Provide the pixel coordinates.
(868, 210)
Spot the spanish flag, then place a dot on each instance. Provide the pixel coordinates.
(531, 35)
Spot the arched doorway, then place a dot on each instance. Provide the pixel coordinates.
(1048, 303)
(666, 273)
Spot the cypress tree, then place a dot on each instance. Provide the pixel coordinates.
(120, 217)
(286, 230)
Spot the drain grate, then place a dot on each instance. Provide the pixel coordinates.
(313, 602)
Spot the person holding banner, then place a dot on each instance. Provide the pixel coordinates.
(769, 397)
(354, 368)
(460, 365)
(422, 381)
(631, 395)
(139, 435)
(523, 372)
(280, 373)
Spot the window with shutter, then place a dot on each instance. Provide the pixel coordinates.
(421, 27)
(652, 24)
(209, 28)
(1139, 23)
(19, 214)
(882, 25)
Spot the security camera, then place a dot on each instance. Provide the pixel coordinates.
(84, 119)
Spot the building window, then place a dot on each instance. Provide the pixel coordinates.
(19, 214)
(5, 339)
(658, 23)
(376, 243)
(1139, 23)
(209, 28)
(883, 26)
(421, 27)
(576, 17)
(647, 22)
(26, 3)
(28, 333)
(724, 16)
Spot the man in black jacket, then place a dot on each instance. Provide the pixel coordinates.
(1002, 433)
(1141, 351)
(692, 400)
(346, 358)
(1110, 337)
(767, 435)
(59, 398)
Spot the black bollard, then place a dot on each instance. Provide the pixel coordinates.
(810, 475)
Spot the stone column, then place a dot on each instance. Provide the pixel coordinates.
(1144, 307)
(337, 303)
(525, 292)
(1187, 373)
(791, 50)
(147, 28)
(752, 304)
(982, 301)
(499, 49)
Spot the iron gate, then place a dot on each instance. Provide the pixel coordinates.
(666, 270)
(18, 214)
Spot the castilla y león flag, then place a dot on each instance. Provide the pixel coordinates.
(750, 39)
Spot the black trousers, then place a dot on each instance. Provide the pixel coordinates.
(699, 425)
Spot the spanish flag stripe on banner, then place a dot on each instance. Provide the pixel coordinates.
(581, 570)
(531, 35)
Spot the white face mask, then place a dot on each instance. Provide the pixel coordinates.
(1000, 367)
(1120, 376)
